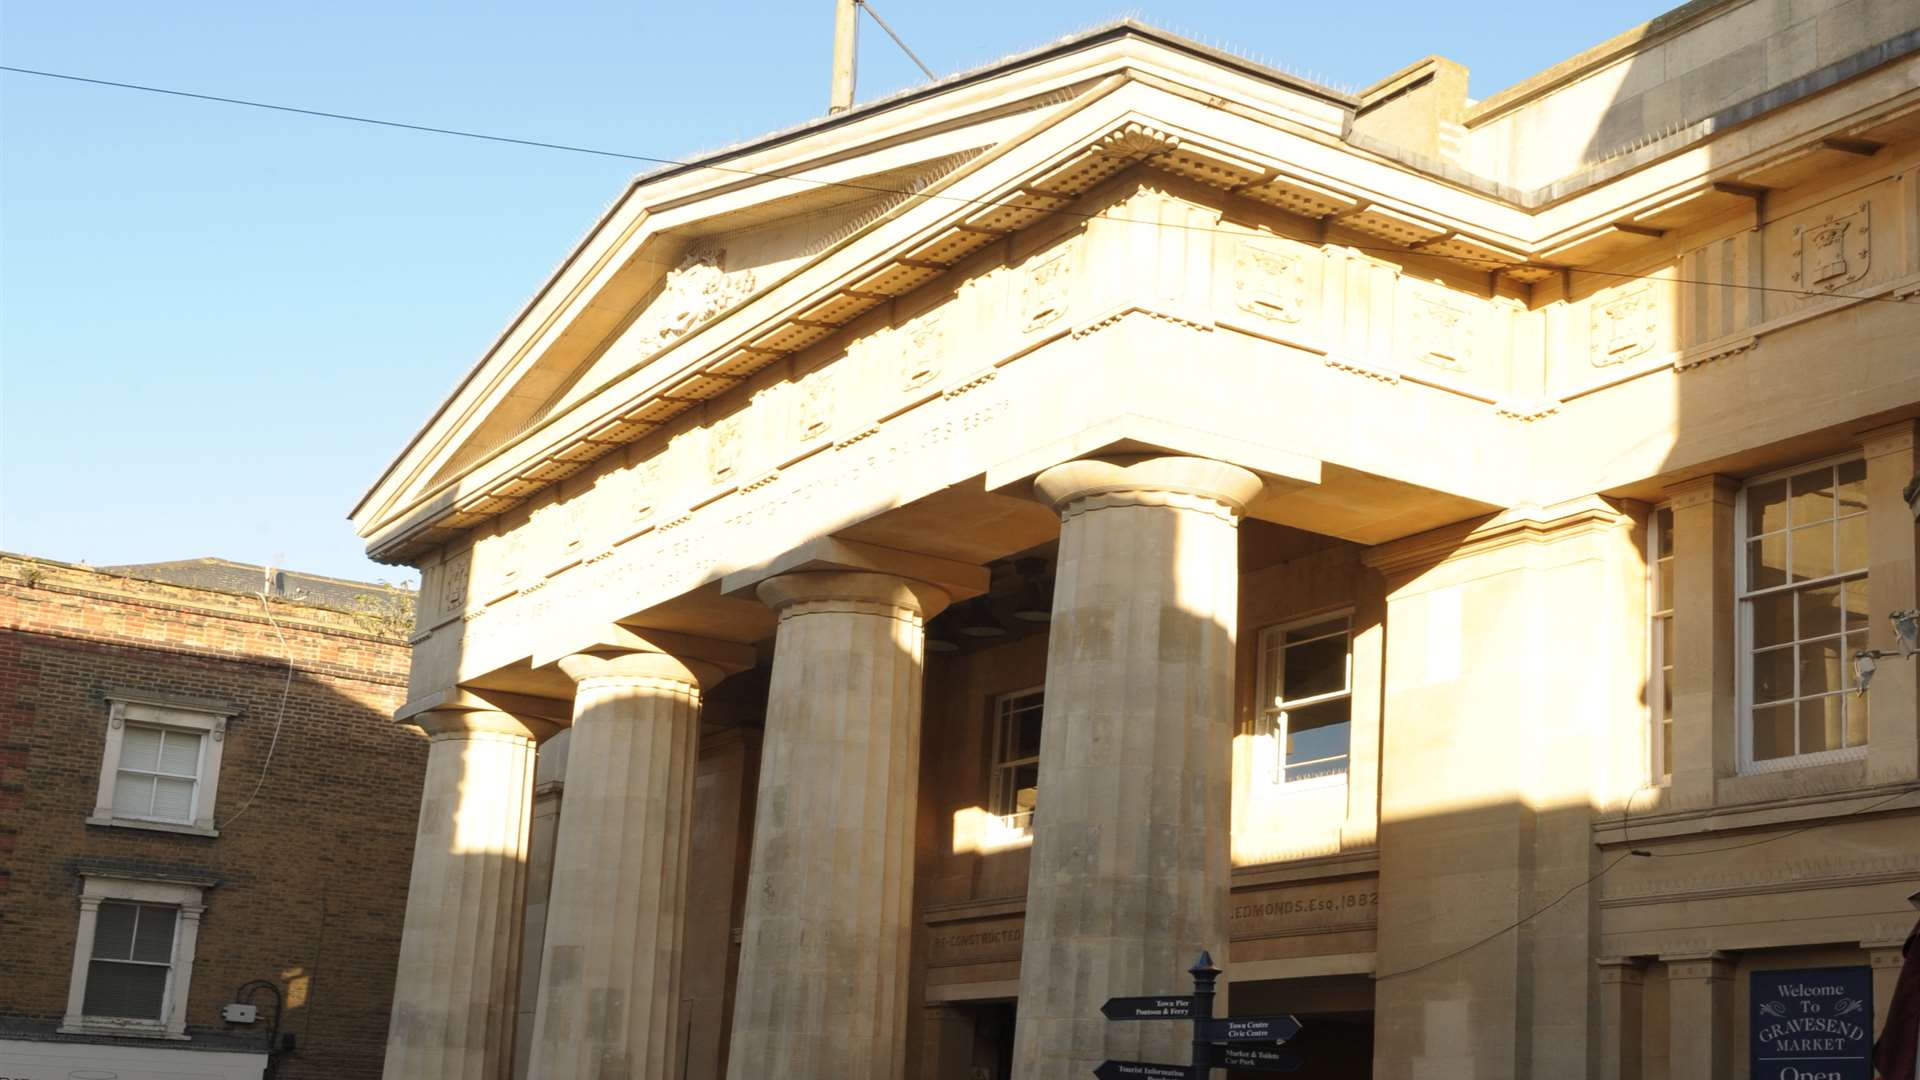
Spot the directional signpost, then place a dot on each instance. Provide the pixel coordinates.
(1179, 1007)
(1257, 1058)
(1240, 1042)
(1124, 1070)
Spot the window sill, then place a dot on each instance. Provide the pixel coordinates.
(121, 1029)
(1284, 788)
(153, 826)
(1764, 810)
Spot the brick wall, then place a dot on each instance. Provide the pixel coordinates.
(313, 873)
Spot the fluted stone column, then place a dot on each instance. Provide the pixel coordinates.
(822, 989)
(454, 996)
(610, 973)
(1130, 866)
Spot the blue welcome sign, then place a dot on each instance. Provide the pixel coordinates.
(1812, 1024)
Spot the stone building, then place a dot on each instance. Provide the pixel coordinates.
(990, 545)
(199, 788)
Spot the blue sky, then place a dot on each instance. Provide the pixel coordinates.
(218, 324)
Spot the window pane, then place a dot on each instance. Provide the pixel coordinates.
(130, 990)
(1316, 733)
(1853, 543)
(1666, 693)
(1858, 608)
(1319, 667)
(1773, 732)
(1820, 724)
(1026, 788)
(1773, 674)
(140, 748)
(1766, 507)
(113, 931)
(180, 753)
(1812, 551)
(172, 799)
(1663, 595)
(1812, 496)
(1819, 612)
(133, 794)
(1026, 735)
(1666, 748)
(1852, 495)
(1772, 619)
(153, 934)
(1317, 630)
(1663, 533)
(1820, 667)
(1767, 562)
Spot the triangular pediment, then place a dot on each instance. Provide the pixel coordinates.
(684, 250)
(702, 277)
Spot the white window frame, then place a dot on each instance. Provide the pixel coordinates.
(1270, 714)
(1743, 628)
(189, 899)
(1658, 662)
(998, 794)
(206, 719)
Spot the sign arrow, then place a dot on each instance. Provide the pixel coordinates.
(1124, 1070)
(1163, 1007)
(1270, 1029)
(1256, 1058)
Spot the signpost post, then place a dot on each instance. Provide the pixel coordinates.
(1250, 1042)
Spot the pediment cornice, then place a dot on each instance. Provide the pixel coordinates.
(659, 325)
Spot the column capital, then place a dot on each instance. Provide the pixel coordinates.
(1885, 954)
(1711, 488)
(1146, 480)
(1900, 436)
(619, 652)
(460, 721)
(1622, 969)
(1698, 965)
(881, 594)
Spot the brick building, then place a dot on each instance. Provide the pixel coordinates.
(199, 788)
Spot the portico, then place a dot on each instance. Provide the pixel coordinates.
(1012, 487)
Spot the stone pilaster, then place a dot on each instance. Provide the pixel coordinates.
(610, 996)
(824, 961)
(1700, 1012)
(1705, 740)
(1893, 741)
(454, 997)
(1130, 869)
(1622, 980)
(1887, 959)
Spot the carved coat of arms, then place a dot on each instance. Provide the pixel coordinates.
(453, 581)
(723, 447)
(813, 405)
(1835, 252)
(1440, 333)
(926, 351)
(1269, 281)
(693, 292)
(1043, 297)
(1622, 325)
